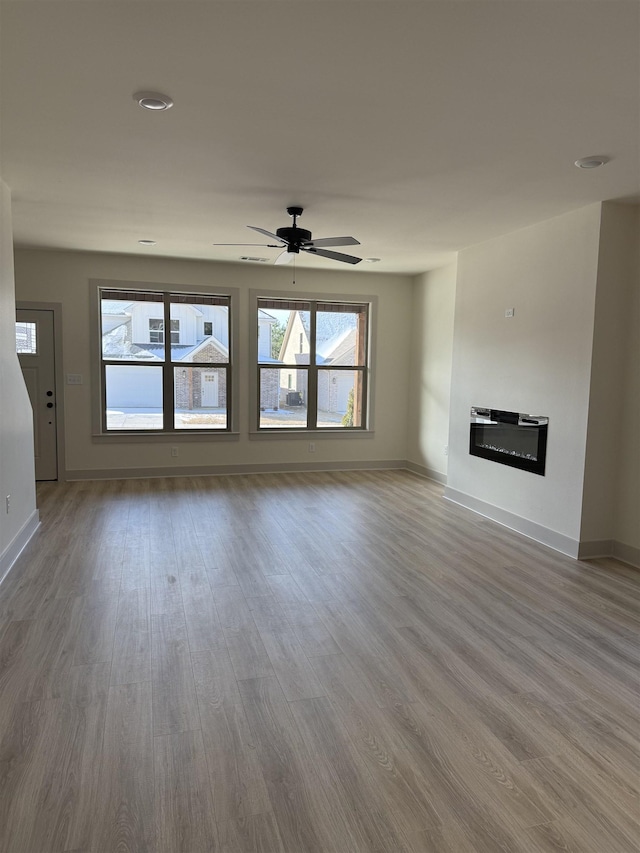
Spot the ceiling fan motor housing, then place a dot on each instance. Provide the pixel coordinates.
(294, 236)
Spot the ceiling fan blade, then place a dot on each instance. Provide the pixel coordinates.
(267, 234)
(284, 258)
(265, 245)
(333, 241)
(334, 256)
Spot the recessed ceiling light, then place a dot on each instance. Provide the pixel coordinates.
(371, 260)
(591, 162)
(147, 242)
(153, 101)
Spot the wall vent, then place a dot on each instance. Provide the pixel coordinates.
(257, 260)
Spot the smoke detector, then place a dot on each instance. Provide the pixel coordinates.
(154, 101)
(591, 162)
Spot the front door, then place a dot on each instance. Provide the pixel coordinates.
(209, 389)
(36, 352)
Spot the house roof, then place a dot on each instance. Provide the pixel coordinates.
(340, 349)
(417, 127)
(183, 352)
(115, 308)
(264, 315)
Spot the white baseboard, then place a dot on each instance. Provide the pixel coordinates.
(18, 543)
(224, 470)
(429, 473)
(592, 549)
(626, 553)
(551, 538)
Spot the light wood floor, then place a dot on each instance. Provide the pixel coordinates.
(310, 662)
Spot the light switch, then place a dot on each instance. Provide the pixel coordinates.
(74, 379)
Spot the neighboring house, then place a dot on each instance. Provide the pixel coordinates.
(334, 386)
(134, 331)
(294, 350)
(335, 345)
(269, 378)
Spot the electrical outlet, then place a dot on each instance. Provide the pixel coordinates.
(312, 447)
(509, 312)
(8, 504)
(174, 451)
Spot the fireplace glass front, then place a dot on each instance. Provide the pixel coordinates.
(510, 438)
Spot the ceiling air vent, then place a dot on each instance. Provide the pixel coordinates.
(257, 260)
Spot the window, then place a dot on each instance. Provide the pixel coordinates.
(26, 339)
(149, 384)
(156, 331)
(320, 376)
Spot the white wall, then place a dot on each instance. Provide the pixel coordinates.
(626, 524)
(64, 276)
(538, 362)
(612, 395)
(434, 294)
(17, 474)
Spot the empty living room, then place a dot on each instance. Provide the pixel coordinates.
(315, 543)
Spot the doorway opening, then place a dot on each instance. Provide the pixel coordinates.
(38, 346)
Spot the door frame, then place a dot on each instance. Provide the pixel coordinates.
(56, 309)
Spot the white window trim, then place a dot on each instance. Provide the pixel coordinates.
(304, 432)
(159, 436)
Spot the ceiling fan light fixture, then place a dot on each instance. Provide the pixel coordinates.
(154, 101)
(591, 162)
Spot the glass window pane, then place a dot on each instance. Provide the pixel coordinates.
(26, 340)
(199, 331)
(283, 397)
(341, 335)
(284, 327)
(340, 398)
(134, 397)
(200, 397)
(132, 330)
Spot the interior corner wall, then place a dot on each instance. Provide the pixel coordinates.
(537, 362)
(63, 276)
(430, 377)
(17, 470)
(626, 523)
(613, 394)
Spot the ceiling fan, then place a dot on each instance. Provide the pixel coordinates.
(295, 240)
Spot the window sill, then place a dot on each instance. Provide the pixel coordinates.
(258, 435)
(160, 437)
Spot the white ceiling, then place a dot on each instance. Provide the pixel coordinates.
(417, 127)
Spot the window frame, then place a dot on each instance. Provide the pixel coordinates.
(169, 432)
(368, 369)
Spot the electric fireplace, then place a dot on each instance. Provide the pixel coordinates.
(510, 438)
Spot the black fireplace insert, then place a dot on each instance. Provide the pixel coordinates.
(510, 438)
